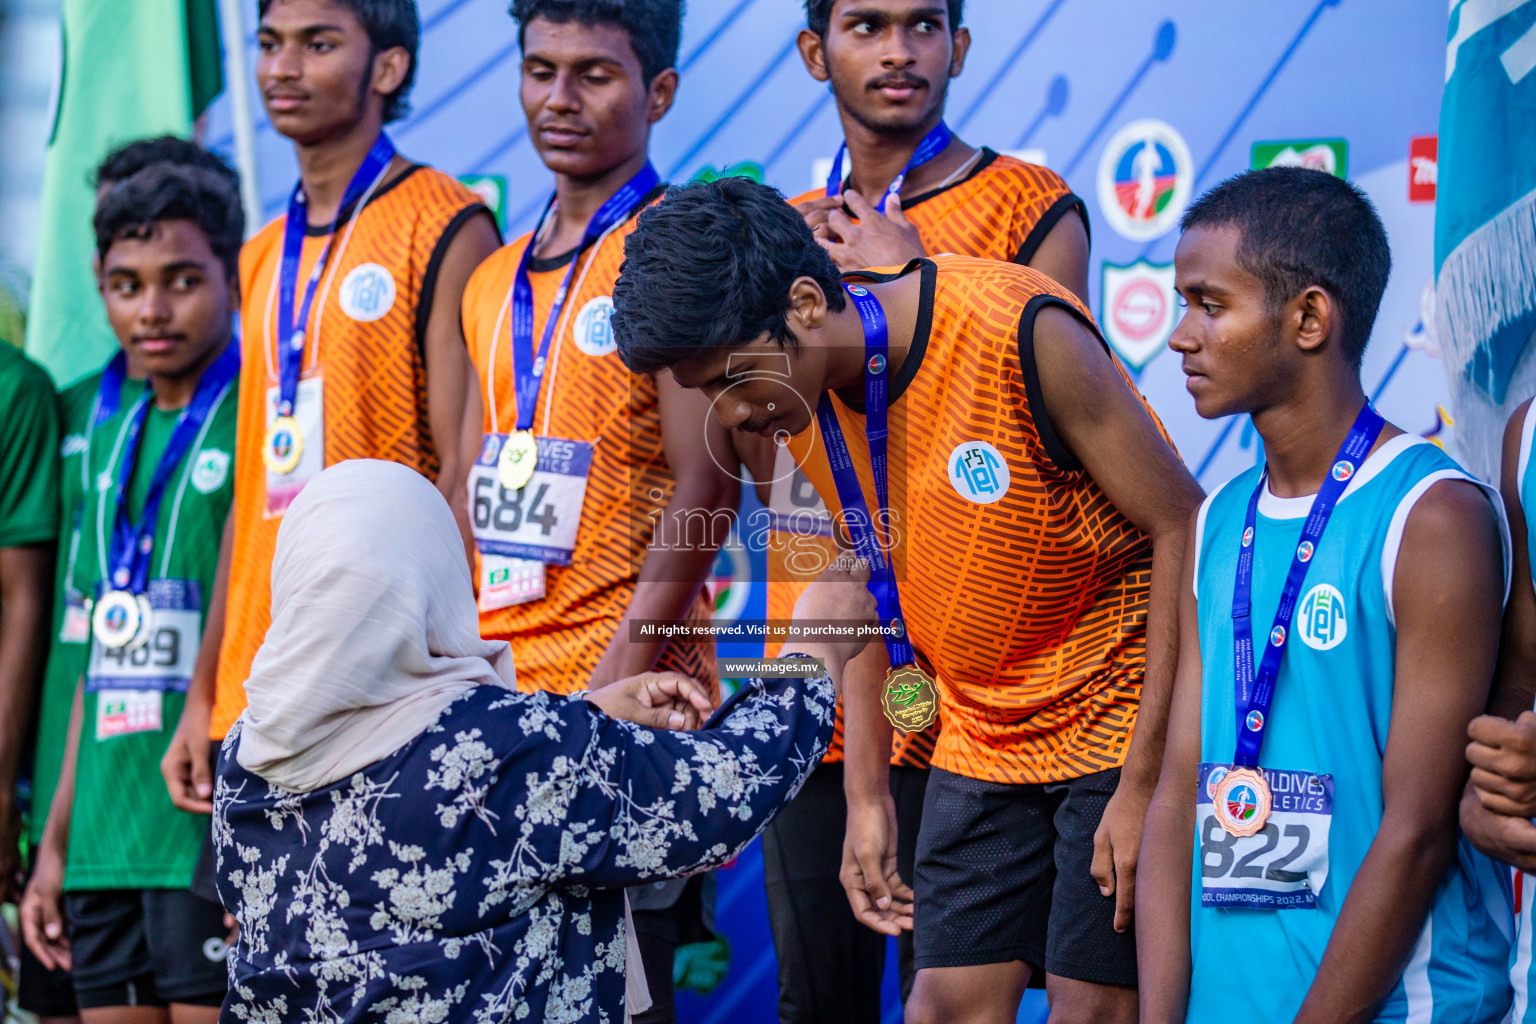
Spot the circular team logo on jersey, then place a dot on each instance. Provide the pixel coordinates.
(593, 328)
(1254, 721)
(367, 292)
(876, 364)
(1248, 537)
(1145, 178)
(1304, 551)
(1321, 619)
(978, 472)
(1213, 780)
(1343, 471)
(1277, 635)
(210, 470)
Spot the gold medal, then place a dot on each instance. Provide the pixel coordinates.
(519, 457)
(1242, 801)
(909, 699)
(284, 445)
(116, 618)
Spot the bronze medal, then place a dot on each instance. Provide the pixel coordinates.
(910, 699)
(1242, 802)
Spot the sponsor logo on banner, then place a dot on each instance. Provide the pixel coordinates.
(1423, 168)
(367, 292)
(492, 190)
(1140, 309)
(1331, 155)
(210, 470)
(593, 332)
(1145, 179)
(978, 472)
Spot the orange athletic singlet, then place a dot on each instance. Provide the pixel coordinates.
(587, 395)
(373, 373)
(1024, 589)
(1001, 210)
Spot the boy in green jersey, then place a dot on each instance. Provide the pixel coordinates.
(116, 858)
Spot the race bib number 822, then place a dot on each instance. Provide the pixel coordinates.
(1284, 865)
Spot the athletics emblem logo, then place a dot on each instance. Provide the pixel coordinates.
(877, 364)
(1343, 470)
(1213, 780)
(1248, 537)
(1242, 803)
(593, 333)
(1321, 619)
(282, 444)
(1277, 635)
(1145, 179)
(1304, 552)
(367, 293)
(978, 472)
(1254, 721)
(858, 289)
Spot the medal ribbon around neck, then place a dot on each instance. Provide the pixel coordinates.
(131, 546)
(290, 329)
(866, 537)
(932, 145)
(1256, 689)
(528, 368)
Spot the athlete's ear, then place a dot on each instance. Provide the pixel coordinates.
(962, 43)
(234, 293)
(813, 51)
(807, 304)
(663, 92)
(1314, 311)
(389, 69)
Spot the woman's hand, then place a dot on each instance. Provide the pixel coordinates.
(660, 700)
(840, 596)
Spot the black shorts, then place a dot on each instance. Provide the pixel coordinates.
(1003, 874)
(146, 947)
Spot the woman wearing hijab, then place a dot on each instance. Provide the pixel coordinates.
(403, 836)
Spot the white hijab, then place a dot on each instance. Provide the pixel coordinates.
(374, 627)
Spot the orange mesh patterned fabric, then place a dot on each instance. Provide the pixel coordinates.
(1031, 609)
(375, 397)
(587, 395)
(1001, 210)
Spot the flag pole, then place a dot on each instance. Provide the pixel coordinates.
(237, 77)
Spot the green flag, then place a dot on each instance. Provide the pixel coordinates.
(129, 70)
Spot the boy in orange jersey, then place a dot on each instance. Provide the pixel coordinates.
(888, 64)
(352, 343)
(1038, 514)
(596, 502)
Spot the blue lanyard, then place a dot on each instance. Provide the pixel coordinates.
(291, 329)
(131, 546)
(528, 369)
(866, 540)
(1256, 690)
(109, 392)
(932, 145)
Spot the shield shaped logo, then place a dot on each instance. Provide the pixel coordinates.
(1140, 310)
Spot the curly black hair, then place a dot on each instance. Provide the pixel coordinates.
(167, 191)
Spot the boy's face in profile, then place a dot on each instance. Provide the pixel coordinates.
(168, 297)
(1230, 335)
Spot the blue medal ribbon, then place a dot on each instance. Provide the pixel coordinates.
(867, 541)
(291, 329)
(131, 546)
(932, 145)
(1256, 689)
(528, 369)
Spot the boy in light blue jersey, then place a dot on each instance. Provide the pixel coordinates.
(1301, 860)
(1500, 799)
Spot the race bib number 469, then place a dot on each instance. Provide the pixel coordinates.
(1284, 865)
(538, 521)
(164, 660)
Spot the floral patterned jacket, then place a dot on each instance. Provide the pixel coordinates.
(476, 873)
